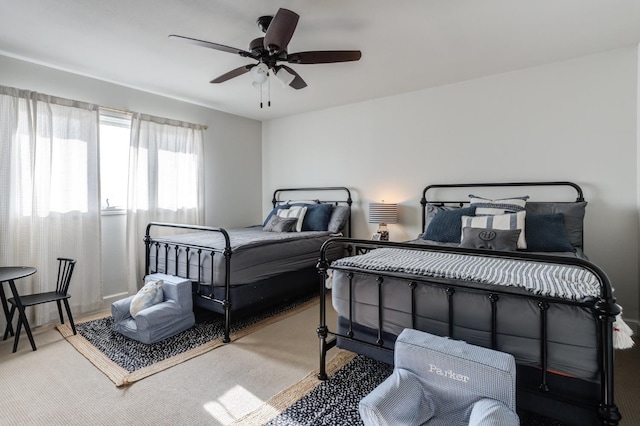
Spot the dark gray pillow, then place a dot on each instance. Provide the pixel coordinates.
(546, 233)
(490, 239)
(338, 219)
(317, 217)
(572, 213)
(430, 212)
(280, 224)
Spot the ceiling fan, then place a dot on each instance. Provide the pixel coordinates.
(269, 51)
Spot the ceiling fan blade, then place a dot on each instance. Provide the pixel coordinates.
(297, 83)
(324, 56)
(280, 31)
(211, 45)
(233, 73)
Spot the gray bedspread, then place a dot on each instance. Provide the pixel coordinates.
(256, 254)
(241, 238)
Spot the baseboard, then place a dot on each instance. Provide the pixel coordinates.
(108, 300)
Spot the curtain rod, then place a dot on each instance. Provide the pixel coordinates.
(127, 112)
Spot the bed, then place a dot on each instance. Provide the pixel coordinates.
(547, 305)
(247, 269)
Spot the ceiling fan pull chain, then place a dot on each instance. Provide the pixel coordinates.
(269, 90)
(260, 95)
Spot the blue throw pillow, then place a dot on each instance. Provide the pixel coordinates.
(274, 211)
(546, 233)
(317, 217)
(446, 225)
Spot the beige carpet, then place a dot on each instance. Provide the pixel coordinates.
(122, 377)
(56, 385)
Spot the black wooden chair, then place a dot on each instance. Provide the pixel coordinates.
(65, 270)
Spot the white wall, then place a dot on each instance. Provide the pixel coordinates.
(233, 151)
(573, 120)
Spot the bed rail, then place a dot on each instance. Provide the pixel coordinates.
(604, 309)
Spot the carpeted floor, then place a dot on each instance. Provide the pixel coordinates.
(125, 361)
(335, 401)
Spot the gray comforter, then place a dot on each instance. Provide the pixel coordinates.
(256, 254)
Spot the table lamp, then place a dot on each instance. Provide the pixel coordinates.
(382, 214)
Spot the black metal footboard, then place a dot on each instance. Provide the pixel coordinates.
(603, 309)
(172, 252)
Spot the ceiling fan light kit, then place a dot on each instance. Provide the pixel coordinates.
(259, 73)
(272, 49)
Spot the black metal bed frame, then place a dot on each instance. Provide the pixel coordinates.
(604, 309)
(173, 250)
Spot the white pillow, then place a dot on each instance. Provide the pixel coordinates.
(150, 294)
(295, 211)
(500, 221)
(499, 206)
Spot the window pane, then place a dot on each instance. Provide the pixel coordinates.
(114, 158)
(178, 186)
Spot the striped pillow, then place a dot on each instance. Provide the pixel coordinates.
(499, 206)
(502, 221)
(297, 212)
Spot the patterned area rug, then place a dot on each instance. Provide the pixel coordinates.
(335, 401)
(125, 361)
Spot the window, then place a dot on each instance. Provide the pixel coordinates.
(51, 163)
(115, 131)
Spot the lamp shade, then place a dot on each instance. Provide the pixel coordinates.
(285, 77)
(259, 73)
(383, 213)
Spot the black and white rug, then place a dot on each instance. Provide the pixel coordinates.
(125, 360)
(335, 401)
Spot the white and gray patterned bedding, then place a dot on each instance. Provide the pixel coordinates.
(256, 254)
(565, 281)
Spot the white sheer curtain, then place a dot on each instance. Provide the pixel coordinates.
(166, 181)
(49, 195)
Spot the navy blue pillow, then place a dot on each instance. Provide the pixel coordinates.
(446, 225)
(275, 211)
(317, 217)
(546, 233)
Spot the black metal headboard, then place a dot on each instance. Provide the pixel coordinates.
(323, 189)
(424, 201)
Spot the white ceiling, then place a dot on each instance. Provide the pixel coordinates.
(406, 44)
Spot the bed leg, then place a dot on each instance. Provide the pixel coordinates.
(608, 411)
(322, 329)
(610, 415)
(227, 321)
(322, 334)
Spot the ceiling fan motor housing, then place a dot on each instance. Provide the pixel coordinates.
(257, 46)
